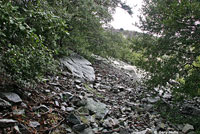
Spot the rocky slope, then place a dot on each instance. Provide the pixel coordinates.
(112, 102)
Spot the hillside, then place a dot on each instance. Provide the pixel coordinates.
(114, 102)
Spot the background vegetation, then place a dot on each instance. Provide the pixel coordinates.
(172, 44)
(35, 33)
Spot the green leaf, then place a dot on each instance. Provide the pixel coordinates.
(22, 27)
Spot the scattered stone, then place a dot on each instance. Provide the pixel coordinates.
(12, 97)
(105, 87)
(98, 78)
(23, 105)
(7, 123)
(91, 118)
(73, 119)
(187, 128)
(57, 103)
(129, 89)
(123, 131)
(77, 81)
(119, 88)
(47, 91)
(148, 107)
(97, 107)
(78, 87)
(63, 108)
(167, 96)
(147, 131)
(4, 103)
(81, 103)
(87, 131)
(108, 123)
(70, 109)
(153, 100)
(79, 127)
(119, 111)
(34, 124)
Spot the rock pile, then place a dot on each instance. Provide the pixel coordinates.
(114, 103)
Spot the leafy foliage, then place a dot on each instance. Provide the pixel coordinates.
(24, 57)
(34, 33)
(174, 53)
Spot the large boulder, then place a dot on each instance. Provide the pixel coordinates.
(79, 67)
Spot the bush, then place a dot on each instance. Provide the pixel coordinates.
(24, 57)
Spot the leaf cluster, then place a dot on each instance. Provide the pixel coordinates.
(172, 47)
(35, 33)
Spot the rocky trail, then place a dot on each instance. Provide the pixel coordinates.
(102, 98)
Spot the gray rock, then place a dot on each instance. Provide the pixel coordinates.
(77, 81)
(12, 97)
(24, 105)
(98, 78)
(70, 109)
(120, 88)
(73, 119)
(7, 123)
(57, 103)
(63, 108)
(153, 100)
(87, 131)
(147, 131)
(4, 103)
(148, 107)
(97, 107)
(34, 124)
(79, 67)
(91, 119)
(108, 123)
(187, 128)
(123, 131)
(79, 127)
(105, 87)
(167, 96)
(115, 90)
(47, 91)
(78, 87)
(82, 102)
